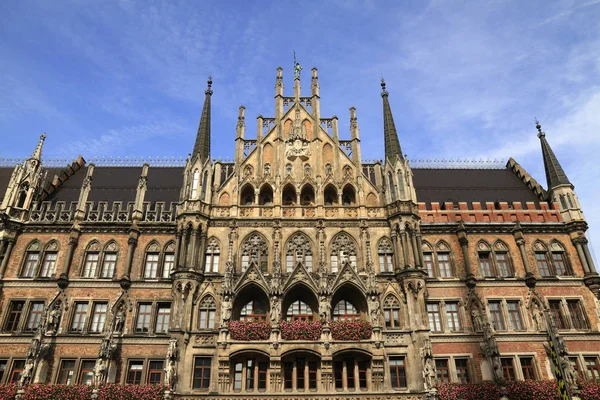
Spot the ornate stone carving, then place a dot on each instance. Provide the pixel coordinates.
(297, 144)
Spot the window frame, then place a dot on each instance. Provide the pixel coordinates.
(399, 371)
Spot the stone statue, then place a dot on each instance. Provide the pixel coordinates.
(27, 373)
(226, 307)
(324, 308)
(275, 310)
(429, 374)
(476, 319)
(99, 371)
(33, 349)
(53, 319)
(170, 373)
(119, 320)
(172, 350)
(538, 318)
(570, 372)
(375, 310)
(297, 68)
(497, 368)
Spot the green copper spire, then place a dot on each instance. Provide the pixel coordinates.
(202, 145)
(555, 175)
(392, 144)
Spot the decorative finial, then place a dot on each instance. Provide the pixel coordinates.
(383, 91)
(541, 133)
(297, 67)
(209, 84)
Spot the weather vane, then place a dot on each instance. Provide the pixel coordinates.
(297, 67)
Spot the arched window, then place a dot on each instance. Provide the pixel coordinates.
(31, 260)
(49, 259)
(541, 258)
(23, 195)
(288, 169)
(391, 311)
(386, 255)
(298, 250)
(168, 260)
(91, 260)
(299, 311)
(345, 311)
(438, 263)
(247, 195)
(392, 187)
(249, 372)
(428, 260)
(563, 202)
(109, 260)
(208, 311)
(300, 372)
(204, 185)
(255, 249)
(494, 261)
(351, 371)
(288, 196)
(253, 311)
(348, 196)
(401, 184)
(265, 198)
(343, 249)
(330, 196)
(212, 256)
(559, 259)
(152, 259)
(307, 195)
(195, 184)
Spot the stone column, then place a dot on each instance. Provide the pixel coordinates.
(178, 247)
(405, 252)
(582, 257)
(588, 256)
(416, 250)
(9, 248)
(131, 244)
(191, 251)
(200, 258)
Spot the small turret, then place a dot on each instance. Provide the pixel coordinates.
(202, 144)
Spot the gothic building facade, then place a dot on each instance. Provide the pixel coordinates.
(296, 270)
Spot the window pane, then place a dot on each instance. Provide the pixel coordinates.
(462, 370)
(79, 317)
(14, 315)
(162, 318)
(556, 309)
(98, 317)
(151, 268)
(433, 313)
(168, 264)
(496, 316)
(31, 261)
(443, 372)
(515, 315)
(444, 265)
(542, 263)
(134, 373)
(502, 265)
(35, 315)
(485, 265)
(48, 265)
(143, 319)
(559, 264)
(452, 316)
(67, 371)
(91, 264)
(397, 372)
(578, 318)
(428, 260)
(108, 267)
(86, 374)
(155, 372)
(528, 368)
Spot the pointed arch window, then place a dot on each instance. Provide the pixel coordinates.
(212, 256)
(208, 310)
(204, 185)
(109, 260)
(255, 249)
(345, 311)
(298, 250)
(559, 260)
(551, 261)
(31, 260)
(494, 261)
(343, 249)
(386, 255)
(438, 262)
(23, 195)
(391, 311)
(253, 311)
(299, 311)
(49, 260)
(91, 260)
(168, 263)
(392, 187)
(152, 261)
(195, 184)
(401, 184)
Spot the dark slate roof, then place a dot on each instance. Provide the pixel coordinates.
(470, 185)
(5, 174)
(69, 189)
(113, 184)
(164, 184)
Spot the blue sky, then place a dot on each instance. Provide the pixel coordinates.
(466, 78)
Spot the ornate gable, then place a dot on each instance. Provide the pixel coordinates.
(347, 274)
(252, 275)
(299, 274)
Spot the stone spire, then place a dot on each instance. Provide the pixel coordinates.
(392, 144)
(555, 175)
(202, 145)
(37, 153)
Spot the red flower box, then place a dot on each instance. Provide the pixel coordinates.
(250, 330)
(351, 330)
(300, 330)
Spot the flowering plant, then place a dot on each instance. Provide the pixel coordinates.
(110, 391)
(516, 390)
(8, 392)
(40, 391)
(351, 330)
(113, 391)
(300, 330)
(250, 330)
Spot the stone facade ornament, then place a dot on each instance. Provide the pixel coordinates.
(297, 144)
(375, 310)
(226, 306)
(170, 363)
(53, 319)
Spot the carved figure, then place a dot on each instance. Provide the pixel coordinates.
(375, 308)
(99, 370)
(172, 350)
(170, 373)
(34, 346)
(27, 373)
(568, 370)
(429, 374)
(53, 319)
(119, 320)
(538, 318)
(476, 319)
(226, 306)
(275, 310)
(324, 308)
(497, 368)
